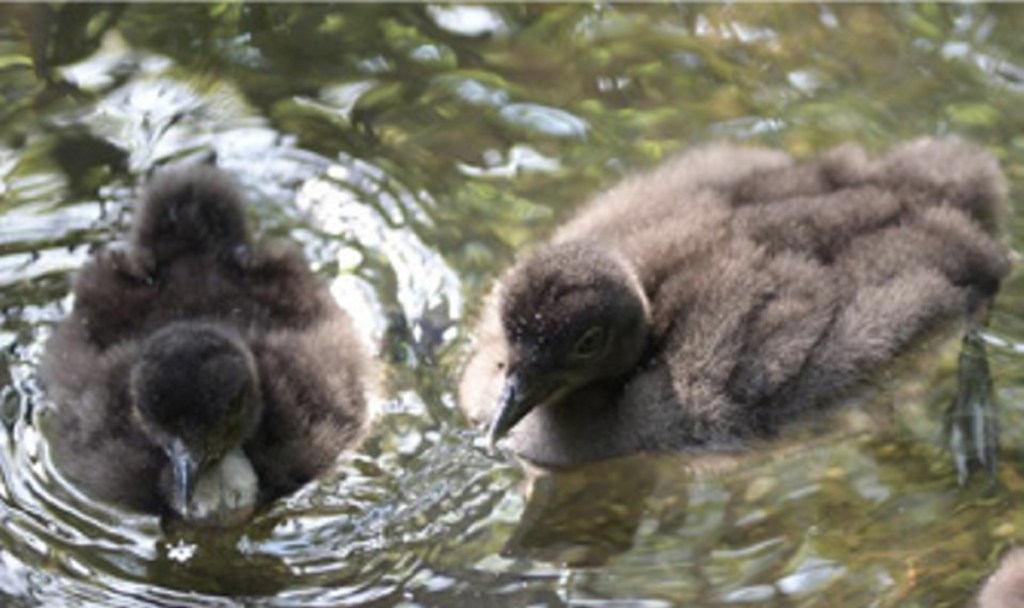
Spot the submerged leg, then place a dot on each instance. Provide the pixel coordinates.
(972, 421)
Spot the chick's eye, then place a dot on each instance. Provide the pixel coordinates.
(590, 344)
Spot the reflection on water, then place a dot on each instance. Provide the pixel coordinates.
(413, 150)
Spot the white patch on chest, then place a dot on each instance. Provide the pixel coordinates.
(226, 493)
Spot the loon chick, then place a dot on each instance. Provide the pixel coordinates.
(199, 374)
(729, 291)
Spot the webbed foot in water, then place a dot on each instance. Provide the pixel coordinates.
(972, 421)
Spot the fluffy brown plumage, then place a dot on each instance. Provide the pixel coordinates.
(194, 358)
(1005, 588)
(728, 291)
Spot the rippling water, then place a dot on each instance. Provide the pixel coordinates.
(413, 150)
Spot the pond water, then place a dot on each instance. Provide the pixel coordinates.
(412, 151)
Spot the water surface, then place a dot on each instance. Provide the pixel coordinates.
(413, 150)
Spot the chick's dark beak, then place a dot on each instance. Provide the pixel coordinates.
(184, 470)
(525, 388)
